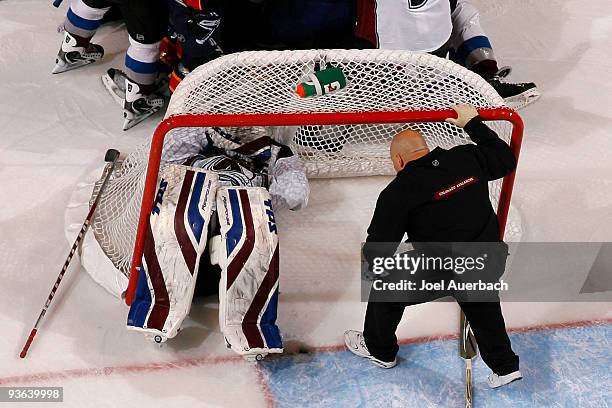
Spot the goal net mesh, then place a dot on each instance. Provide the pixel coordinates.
(253, 83)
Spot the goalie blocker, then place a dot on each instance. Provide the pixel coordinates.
(246, 251)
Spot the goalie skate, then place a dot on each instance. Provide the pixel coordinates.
(137, 106)
(114, 82)
(71, 57)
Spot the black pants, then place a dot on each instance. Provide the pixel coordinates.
(146, 20)
(486, 320)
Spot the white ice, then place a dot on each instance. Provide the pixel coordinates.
(55, 130)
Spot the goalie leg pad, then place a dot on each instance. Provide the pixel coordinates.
(248, 291)
(175, 241)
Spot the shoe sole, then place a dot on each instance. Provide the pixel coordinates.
(381, 365)
(130, 123)
(61, 66)
(510, 382)
(373, 360)
(524, 99)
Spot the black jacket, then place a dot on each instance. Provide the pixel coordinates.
(444, 195)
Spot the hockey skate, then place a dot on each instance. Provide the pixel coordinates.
(71, 56)
(356, 344)
(516, 96)
(496, 381)
(137, 106)
(114, 82)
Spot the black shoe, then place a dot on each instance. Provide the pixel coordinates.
(517, 95)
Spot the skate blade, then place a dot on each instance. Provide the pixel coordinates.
(253, 358)
(115, 92)
(130, 123)
(61, 66)
(525, 99)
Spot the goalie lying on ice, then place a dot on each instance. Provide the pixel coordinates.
(216, 212)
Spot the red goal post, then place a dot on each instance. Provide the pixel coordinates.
(303, 119)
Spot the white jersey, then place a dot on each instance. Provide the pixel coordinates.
(414, 25)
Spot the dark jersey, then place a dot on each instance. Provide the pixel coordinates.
(444, 195)
(287, 24)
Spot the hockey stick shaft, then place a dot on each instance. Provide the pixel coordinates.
(111, 158)
(468, 350)
(57, 3)
(468, 384)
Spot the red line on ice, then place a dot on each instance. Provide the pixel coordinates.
(118, 370)
(203, 361)
(265, 387)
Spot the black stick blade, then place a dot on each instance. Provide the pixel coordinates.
(111, 155)
(468, 348)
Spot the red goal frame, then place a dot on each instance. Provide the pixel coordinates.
(297, 119)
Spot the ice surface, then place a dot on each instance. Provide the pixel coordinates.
(557, 365)
(55, 130)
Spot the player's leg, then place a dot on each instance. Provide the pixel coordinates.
(175, 244)
(470, 45)
(487, 323)
(378, 341)
(471, 48)
(112, 15)
(380, 325)
(82, 20)
(247, 252)
(146, 22)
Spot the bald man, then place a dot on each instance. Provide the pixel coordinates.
(441, 196)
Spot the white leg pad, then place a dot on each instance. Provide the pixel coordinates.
(248, 291)
(175, 241)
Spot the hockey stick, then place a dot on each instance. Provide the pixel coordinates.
(110, 158)
(57, 3)
(468, 350)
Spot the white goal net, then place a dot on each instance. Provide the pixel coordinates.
(399, 88)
